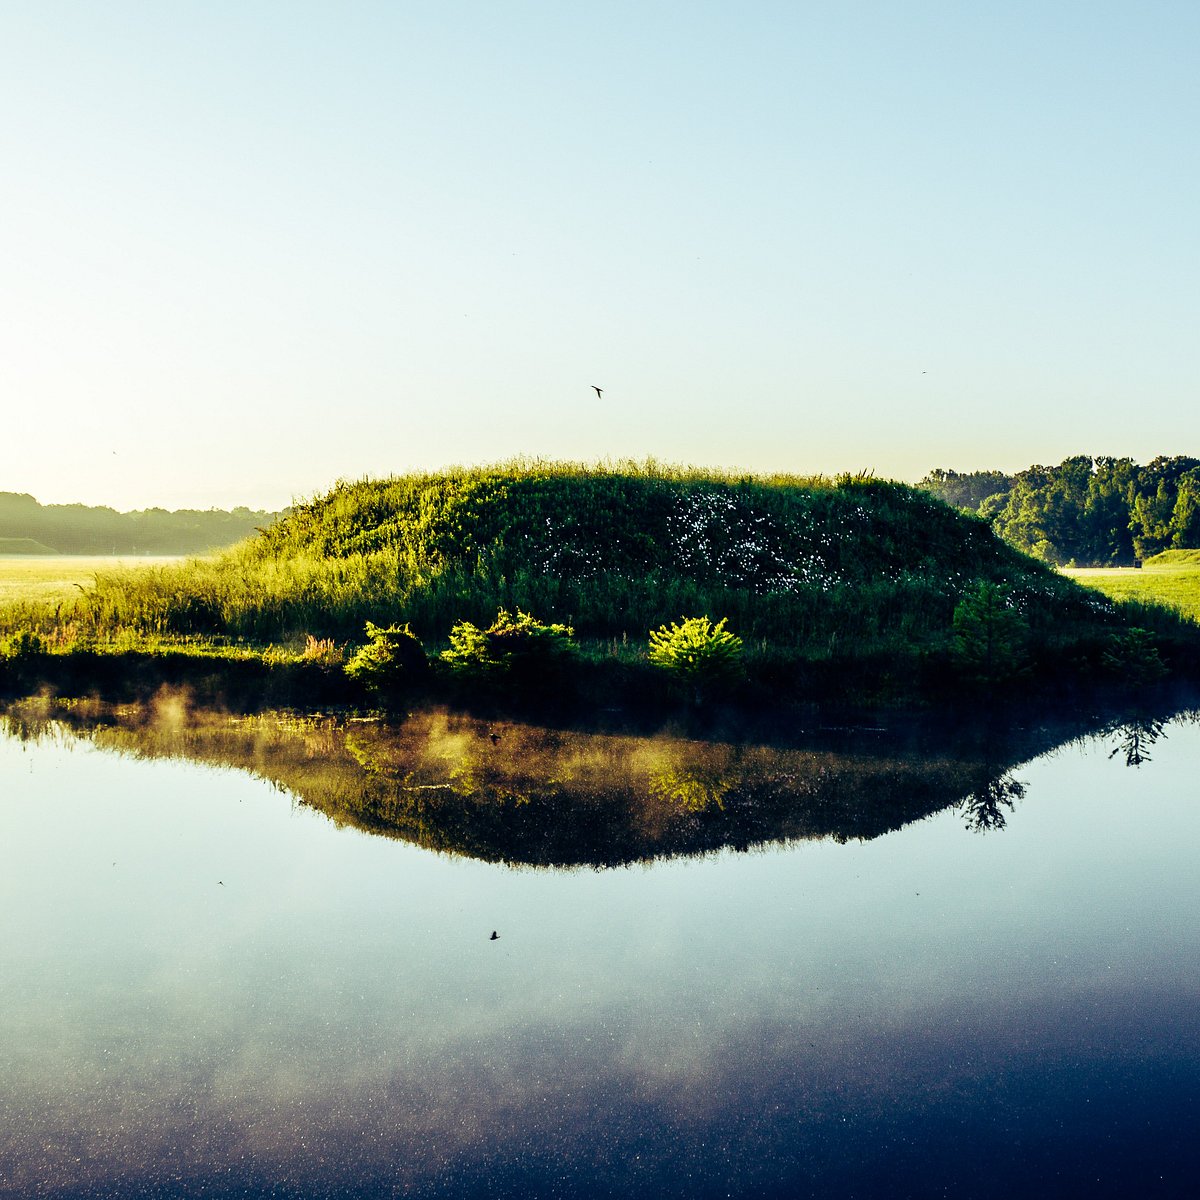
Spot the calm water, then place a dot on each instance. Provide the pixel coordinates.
(208, 987)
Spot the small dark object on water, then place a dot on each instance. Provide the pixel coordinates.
(495, 937)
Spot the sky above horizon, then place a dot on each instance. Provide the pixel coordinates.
(249, 249)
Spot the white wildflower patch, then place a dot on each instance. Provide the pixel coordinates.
(715, 536)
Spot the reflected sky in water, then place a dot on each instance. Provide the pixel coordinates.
(206, 988)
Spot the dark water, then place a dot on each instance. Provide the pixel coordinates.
(925, 972)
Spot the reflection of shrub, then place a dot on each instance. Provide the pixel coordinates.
(991, 637)
(519, 646)
(698, 652)
(692, 788)
(393, 659)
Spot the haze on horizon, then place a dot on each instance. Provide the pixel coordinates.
(250, 249)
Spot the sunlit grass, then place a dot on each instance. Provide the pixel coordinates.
(1172, 579)
(58, 578)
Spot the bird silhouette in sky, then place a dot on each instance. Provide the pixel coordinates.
(596, 390)
(495, 937)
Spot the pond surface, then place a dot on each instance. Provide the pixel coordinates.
(924, 974)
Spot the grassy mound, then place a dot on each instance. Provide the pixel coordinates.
(610, 551)
(804, 570)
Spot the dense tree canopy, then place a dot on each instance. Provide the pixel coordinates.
(1086, 511)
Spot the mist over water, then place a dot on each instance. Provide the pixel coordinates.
(214, 980)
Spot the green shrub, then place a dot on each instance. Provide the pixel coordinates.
(1133, 655)
(518, 646)
(991, 636)
(391, 661)
(697, 652)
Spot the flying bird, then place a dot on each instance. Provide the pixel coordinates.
(596, 390)
(495, 937)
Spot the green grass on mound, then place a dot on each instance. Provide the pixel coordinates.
(803, 569)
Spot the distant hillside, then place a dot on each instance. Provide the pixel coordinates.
(22, 546)
(1086, 511)
(81, 529)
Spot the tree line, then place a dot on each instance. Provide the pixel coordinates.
(83, 529)
(1085, 511)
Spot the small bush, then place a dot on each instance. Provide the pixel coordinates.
(991, 637)
(391, 661)
(1134, 657)
(697, 652)
(520, 646)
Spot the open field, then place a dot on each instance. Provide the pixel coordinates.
(1173, 580)
(54, 578)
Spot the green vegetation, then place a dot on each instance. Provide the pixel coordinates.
(705, 656)
(1086, 511)
(992, 636)
(391, 663)
(83, 529)
(842, 588)
(22, 545)
(521, 650)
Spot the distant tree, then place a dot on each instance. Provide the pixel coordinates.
(1154, 505)
(84, 529)
(1101, 512)
(1185, 517)
(966, 490)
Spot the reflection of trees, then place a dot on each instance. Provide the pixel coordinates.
(984, 807)
(1135, 739)
(538, 796)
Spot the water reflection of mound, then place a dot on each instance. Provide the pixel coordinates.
(533, 796)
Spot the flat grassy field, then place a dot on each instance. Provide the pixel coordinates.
(53, 578)
(1174, 582)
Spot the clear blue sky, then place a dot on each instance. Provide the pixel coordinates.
(254, 247)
